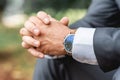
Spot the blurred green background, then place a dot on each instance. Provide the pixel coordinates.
(15, 62)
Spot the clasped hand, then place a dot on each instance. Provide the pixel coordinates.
(43, 35)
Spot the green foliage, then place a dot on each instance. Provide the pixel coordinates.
(2, 4)
(58, 5)
(9, 37)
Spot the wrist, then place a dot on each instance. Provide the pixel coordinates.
(72, 31)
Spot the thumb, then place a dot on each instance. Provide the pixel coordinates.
(65, 21)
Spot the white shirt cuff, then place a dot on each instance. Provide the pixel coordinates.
(82, 50)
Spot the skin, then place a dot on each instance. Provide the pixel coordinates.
(43, 34)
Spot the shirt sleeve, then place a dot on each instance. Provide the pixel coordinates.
(83, 50)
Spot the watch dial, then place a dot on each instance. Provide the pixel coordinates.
(68, 43)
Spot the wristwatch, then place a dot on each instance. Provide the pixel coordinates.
(68, 42)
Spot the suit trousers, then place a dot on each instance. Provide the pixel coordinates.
(69, 69)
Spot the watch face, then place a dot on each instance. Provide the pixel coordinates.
(68, 43)
(68, 46)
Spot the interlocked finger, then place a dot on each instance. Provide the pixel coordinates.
(25, 32)
(36, 53)
(31, 41)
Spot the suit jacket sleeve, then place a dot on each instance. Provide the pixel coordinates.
(107, 47)
(104, 13)
(107, 40)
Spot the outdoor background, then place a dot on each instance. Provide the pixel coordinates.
(15, 62)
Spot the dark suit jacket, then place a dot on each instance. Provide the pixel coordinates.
(104, 15)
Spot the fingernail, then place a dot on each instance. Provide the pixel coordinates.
(36, 31)
(46, 20)
(36, 43)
